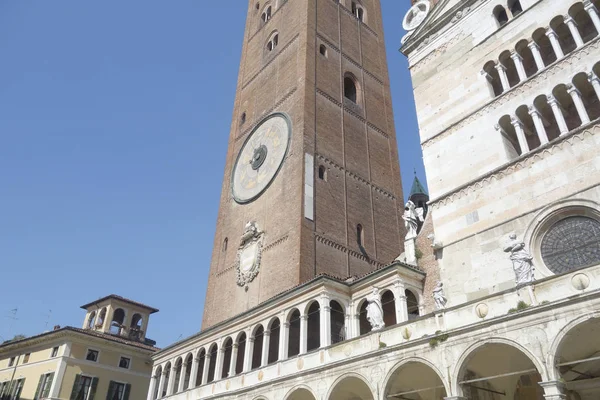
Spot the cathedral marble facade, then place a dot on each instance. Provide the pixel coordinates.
(507, 97)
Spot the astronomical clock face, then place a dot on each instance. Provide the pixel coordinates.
(260, 158)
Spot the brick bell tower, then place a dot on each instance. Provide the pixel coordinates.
(312, 179)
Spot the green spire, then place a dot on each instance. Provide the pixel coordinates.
(417, 187)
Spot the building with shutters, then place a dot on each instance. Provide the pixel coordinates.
(108, 358)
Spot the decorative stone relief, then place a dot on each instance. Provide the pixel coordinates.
(580, 281)
(249, 254)
(482, 310)
(439, 297)
(521, 259)
(375, 310)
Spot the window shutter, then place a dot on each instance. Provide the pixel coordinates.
(93, 389)
(48, 385)
(76, 387)
(20, 389)
(127, 390)
(111, 390)
(39, 388)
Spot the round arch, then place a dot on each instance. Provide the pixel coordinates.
(351, 385)
(510, 359)
(419, 379)
(562, 340)
(300, 392)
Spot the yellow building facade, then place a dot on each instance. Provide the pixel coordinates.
(109, 358)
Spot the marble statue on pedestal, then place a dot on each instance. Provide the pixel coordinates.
(412, 216)
(439, 297)
(521, 259)
(375, 310)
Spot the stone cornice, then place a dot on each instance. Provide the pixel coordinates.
(355, 176)
(340, 247)
(539, 78)
(519, 163)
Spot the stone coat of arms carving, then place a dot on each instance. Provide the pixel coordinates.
(249, 253)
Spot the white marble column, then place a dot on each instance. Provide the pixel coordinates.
(184, 368)
(324, 322)
(553, 390)
(303, 333)
(356, 324)
(558, 115)
(539, 125)
(233, 362)
(595, 81)
(284, 339)
(194, 372)
(578, 100)
(207, 357)
(574, 31)
(264, 359)
(593, 12)
(249, 350)
(171, 383)
(219, 363)
(537, 56)
(161, 383)
(503, 77)
(518, 60)
(520, 135)
(152, 387)
(400, 302)
(555, 43)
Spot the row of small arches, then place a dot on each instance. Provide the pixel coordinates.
(546, 46)
(117, 324)
(263, 345)
(504, 14)
(566, 108)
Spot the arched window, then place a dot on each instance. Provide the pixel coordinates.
(412, 305)
(266, 15)
(273, 42)
(178, 370)
(389, 308)
(167, 376)
(157, 377)
(337, 322)
(117, 322)
(228, 348)
(135, 329)
(91, 318)
(322, 173)
(188, 370)
(314, 327)
(360, 235)
(350, 91)
(243, 118)
(212, 363)
(491, 75)
(100, 319)
(201, 361)
(274, 328)
(239, 363)
(294, 334)
(323, 50)
(258, 346)
(515, 7)
(225, 242)
(358, 11)
(500, 15)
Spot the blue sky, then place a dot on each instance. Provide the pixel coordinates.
(114, 121)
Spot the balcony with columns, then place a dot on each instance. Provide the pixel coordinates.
(548, 45)
(322, 313)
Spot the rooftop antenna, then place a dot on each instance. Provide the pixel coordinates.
(13, 318)
(47, 319)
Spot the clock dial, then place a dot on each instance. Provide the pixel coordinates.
(261, 157)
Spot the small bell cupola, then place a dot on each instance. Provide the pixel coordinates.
(419, 195)
(116, 315)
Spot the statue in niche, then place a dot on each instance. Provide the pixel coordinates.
(375, 310)
(412, 216)
(439, 297)
(521, 259)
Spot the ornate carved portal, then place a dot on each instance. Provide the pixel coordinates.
(249, 253)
